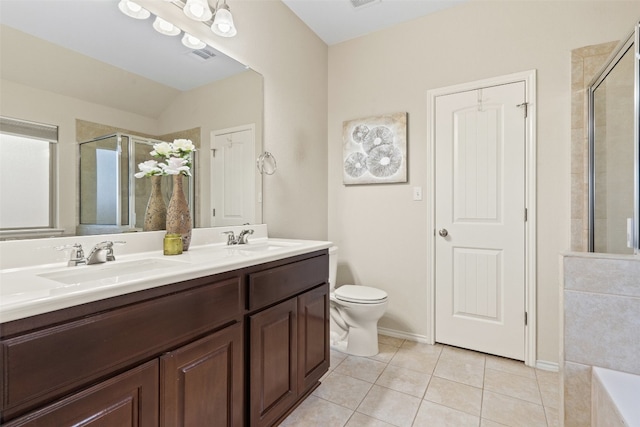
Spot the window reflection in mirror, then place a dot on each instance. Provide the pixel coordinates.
(27, 174)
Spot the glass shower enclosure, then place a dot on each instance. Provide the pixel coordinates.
(614, 152)
(111, 199)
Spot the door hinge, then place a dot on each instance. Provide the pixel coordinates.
(213, 152)
(526, 108)
(214, 212)
(526, 320)
(526, 214)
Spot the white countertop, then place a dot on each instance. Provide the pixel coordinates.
(31, 290)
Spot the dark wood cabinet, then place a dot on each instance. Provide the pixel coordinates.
(201, 383)
(240, 348)
(313, 337)
(273, 362)
(45, 364)
(289, 353)
(128, 399)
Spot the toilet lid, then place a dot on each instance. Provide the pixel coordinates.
(360, 294)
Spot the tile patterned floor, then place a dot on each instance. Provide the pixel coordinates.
(410, 384)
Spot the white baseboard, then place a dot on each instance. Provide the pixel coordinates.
(405, 335)
(547, 366)
(540, 364)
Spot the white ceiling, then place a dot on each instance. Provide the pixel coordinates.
(335, 21)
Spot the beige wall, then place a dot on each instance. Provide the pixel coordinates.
(381, 232)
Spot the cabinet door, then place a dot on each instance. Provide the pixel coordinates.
(313, 336)
(273, 362)
(201, 384)
(129, 399)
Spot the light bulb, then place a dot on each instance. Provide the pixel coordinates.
(165, 27)
(192, 42)
(223, 22)
(133, 9)
(197, 10)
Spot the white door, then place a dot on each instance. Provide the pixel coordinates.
(480, 219)
(233, 195)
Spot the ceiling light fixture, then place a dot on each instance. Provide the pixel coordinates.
(198, 10)
(133, 9)
(223, 21)
(165, 27)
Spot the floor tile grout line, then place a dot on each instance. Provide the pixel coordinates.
(515, 374)
(432, 374)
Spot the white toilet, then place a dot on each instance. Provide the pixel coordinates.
(355, 311)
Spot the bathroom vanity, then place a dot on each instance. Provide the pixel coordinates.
(243, 346)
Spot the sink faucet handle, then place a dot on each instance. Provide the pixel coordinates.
(243, 237)
(77, 254)
(231, 238)
(110, 255)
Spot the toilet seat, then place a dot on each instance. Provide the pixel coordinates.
(360, 294)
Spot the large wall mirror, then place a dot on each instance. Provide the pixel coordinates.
(614, 147)
(89, 70)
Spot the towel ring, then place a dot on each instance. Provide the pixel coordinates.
(260, 163)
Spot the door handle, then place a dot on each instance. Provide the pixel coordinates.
(443, 232)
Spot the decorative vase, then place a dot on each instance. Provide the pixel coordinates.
(178, 215)
(155, 217)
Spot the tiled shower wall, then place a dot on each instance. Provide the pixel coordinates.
(601, 325)
(585, 63)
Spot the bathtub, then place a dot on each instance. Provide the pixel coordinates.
(615, 398)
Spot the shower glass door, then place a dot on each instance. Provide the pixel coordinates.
(613, 124)
(104, 181)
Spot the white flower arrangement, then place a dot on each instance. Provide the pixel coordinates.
(174, 159)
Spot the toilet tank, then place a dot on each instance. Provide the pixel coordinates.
(333, 267)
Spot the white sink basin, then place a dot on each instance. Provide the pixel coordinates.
(108, 270)
(269, 245)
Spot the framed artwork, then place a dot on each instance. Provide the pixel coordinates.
(375, 149)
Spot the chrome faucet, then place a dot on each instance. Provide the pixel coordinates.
(102, 252)
(77, 254)
(241, 239)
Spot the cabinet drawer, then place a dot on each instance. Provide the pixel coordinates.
(47, 364)
(276, 284)
(129, 399)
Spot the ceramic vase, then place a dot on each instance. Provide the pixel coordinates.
(178, 214)
(155, 216)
